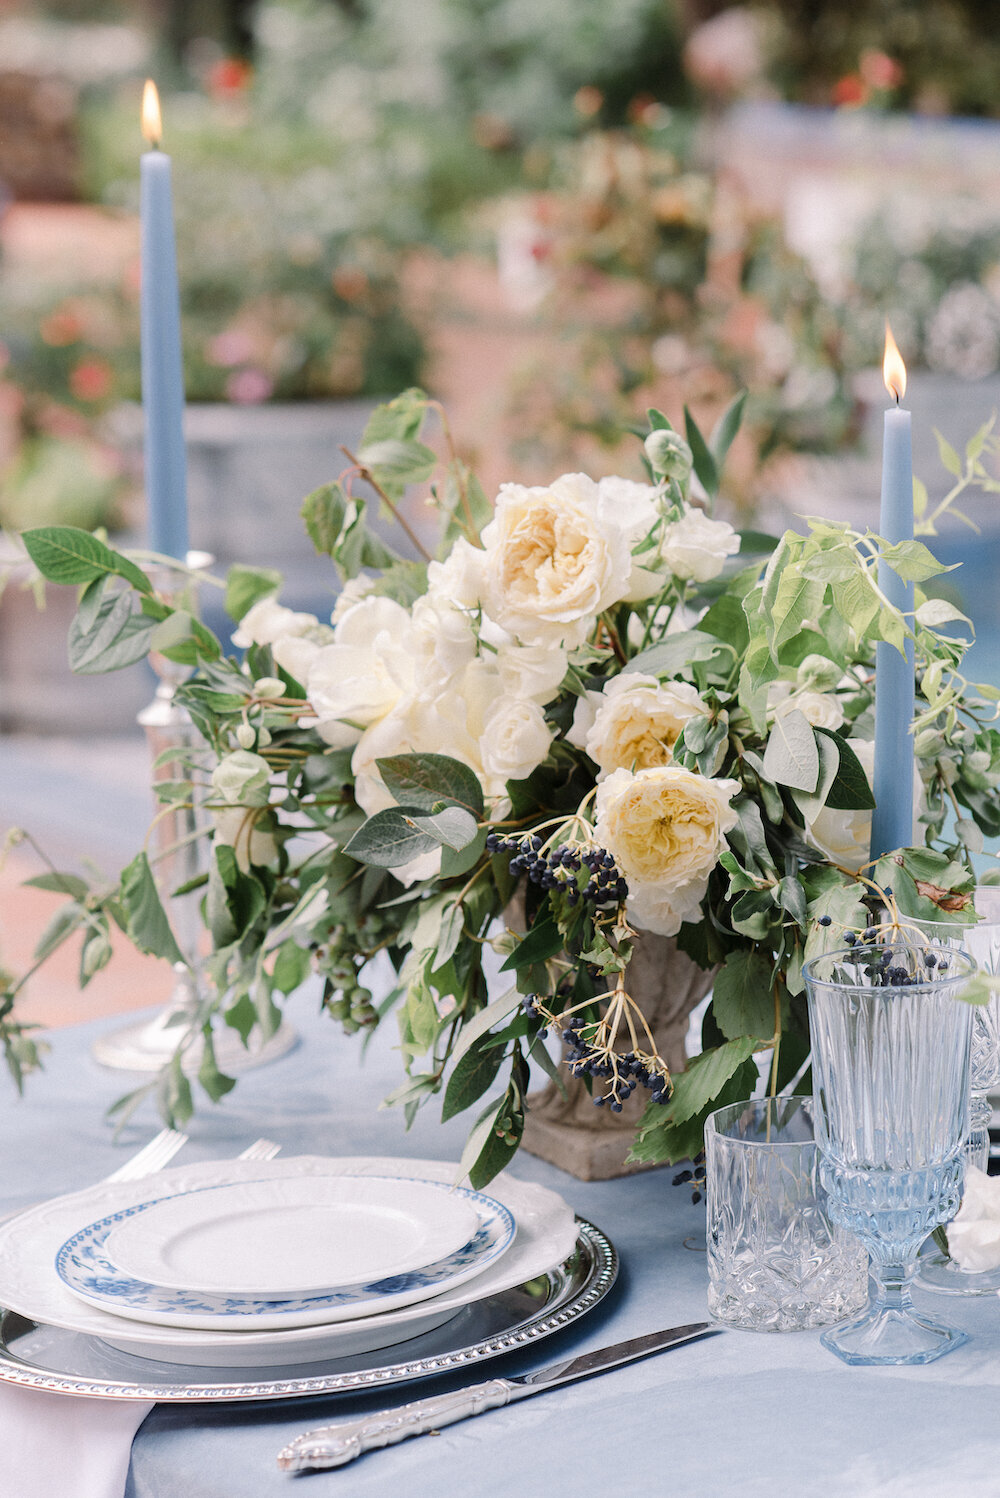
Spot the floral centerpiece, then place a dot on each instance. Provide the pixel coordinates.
(598, 698)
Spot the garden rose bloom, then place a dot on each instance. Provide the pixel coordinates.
(821, 709)
(666, 828)
(554, 559)
(534, 671)
(459, 578)
(845, 836)
(974, 1234)
(514, 741)
(356, 680)
(267, 621)
(236, 827)
(634, 723)
(696, 547)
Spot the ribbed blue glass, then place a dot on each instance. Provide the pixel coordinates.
(891, 1049)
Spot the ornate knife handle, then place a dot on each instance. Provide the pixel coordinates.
(336, 1445)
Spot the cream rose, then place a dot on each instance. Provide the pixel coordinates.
(553, 560)
(635, 722)
(357, 679)
(974, 1234)
(236, 827)
(459, 578)
(267, 621)
(821, 709)
(514, 741)
(845, 836)
(695, 548)
(666, 828)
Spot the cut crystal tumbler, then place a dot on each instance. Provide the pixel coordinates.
(890, 1045)
(775, 1260)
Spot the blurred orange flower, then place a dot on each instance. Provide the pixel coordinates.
(90, 380)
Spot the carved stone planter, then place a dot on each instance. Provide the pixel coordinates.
(592, 1143)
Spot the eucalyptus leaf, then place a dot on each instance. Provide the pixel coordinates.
(791, 757)
(424, 780)
(389, 839)
(64, 554)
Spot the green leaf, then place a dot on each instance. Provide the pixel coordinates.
(669, 657)
(912, 561)
(422, 781)
(292, 967)
(63, 923)
(117, 637)
(791, 757)
(704, 1078)
(324, 512)
(494, 1014)
(401, 417)
(726, 428)
(400, 460)
(453, 864)
(949, 457)
(246, 586)
(64, 554)
(672, 1142)
(390, 838)
(704, 464)
(215, 1082)
(241, 1017)
(148, 926)
(743, 1001)
(850, 790)
(543, 940)
(454, 827)
(473, 1073)
(61, 884)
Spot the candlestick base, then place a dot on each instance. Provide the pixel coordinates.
(149, 1046)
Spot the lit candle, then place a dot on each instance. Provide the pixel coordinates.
(892, 820)
(162, 368)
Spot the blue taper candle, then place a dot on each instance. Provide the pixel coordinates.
(892, 820)
(162, 366)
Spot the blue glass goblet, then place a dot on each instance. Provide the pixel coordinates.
(890, 1045)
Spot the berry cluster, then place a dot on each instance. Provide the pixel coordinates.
(558, 868)
(695, 1179)
(590, 1053)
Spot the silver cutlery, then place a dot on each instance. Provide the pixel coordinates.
(153, 1156)
(335, 1445)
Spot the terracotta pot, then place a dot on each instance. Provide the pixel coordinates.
(592, 1143)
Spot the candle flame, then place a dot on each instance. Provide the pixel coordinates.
(152, 124)
(893, 368)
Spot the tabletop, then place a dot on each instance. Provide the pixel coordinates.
(752, 1415)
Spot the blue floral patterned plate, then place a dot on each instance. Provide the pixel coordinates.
(86, 1268)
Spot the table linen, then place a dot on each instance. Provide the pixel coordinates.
(744, 1415)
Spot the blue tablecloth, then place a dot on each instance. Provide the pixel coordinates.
(746, 1415)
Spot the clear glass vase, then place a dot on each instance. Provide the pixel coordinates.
(776, 1262)
(938, 1271)
(890, 1044)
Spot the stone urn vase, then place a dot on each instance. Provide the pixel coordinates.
(592, 1143)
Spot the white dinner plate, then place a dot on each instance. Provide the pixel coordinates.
(86, 1269)
(29, 1284)
(276, 1239)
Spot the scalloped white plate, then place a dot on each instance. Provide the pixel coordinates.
(546, 1233)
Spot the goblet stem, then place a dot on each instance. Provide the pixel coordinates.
(890, 1331)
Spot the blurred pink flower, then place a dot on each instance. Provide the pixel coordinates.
(248, 387)
(229, 349)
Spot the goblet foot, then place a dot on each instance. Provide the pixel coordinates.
(891, 1335)
(937, 1272)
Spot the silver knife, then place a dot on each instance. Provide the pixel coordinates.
(335, 1445)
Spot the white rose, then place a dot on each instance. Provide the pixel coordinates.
(666, 828)
(267, 621)
(534, 671)
(362, 675)
(845, 836)
(974, 1234)
(351, 593)
(696, 547)
(459, 578)
(635, 722)
(236, 827)
(296, 654)
(514, 742)
(553, 561)
(821, 709)
(634, 508)
(444, 636)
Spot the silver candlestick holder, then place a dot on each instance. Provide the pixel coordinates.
(178, 840)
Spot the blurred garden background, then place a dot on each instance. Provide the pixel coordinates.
(551, 214)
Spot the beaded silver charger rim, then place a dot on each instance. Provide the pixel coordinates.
(576, 1286)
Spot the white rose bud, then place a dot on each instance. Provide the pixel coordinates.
(245, 736)
(974, 1234)
(668, 454)
(269, 687)
(242, 779)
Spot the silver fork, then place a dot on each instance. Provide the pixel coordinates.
(151, 1158)
(261, 1149)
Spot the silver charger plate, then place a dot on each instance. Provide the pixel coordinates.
(65, 1362)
